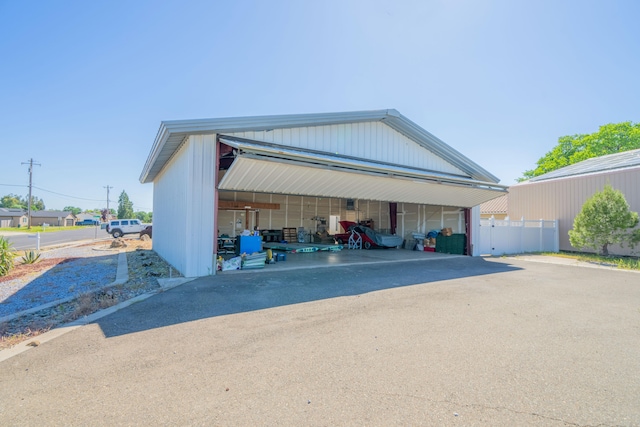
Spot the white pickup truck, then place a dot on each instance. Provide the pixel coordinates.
(120, 227)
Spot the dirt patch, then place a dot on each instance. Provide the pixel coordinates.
(145, 267)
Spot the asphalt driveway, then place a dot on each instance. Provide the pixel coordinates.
(459, 341)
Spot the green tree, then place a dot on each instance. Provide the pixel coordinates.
(143, 216)
(36, 204)
(611, 138)
(74, 210)
(12, 201)
(125, 206)
(605, 219)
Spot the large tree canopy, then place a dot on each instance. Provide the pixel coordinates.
(16, 202)
(610, 139)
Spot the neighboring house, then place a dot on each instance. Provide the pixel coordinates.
(293, 171)
(82, 216)
(560, 194)
(10, 217)
(496, 208)
(56, 218)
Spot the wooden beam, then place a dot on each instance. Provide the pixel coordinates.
(233, 205)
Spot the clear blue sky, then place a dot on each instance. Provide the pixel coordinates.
(85, 84)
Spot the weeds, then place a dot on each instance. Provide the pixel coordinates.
(622, 262)
(8, 339)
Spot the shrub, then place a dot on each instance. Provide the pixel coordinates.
(30, 257)
(7, 256)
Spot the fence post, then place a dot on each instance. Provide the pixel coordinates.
(556, 236)
(521, 235)
(493, 224)
(540, 246)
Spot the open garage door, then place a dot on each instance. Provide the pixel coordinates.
(268, 168)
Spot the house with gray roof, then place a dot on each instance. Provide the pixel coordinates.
(10, 217)
(55, 218)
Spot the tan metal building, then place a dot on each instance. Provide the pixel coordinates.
(560, 194)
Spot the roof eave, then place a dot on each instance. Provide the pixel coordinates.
(391, 117)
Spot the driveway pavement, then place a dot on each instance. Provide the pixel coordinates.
(459, 341)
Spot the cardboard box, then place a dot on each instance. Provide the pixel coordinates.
(432, 241)
(446, 231)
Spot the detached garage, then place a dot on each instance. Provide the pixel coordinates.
(220, 176)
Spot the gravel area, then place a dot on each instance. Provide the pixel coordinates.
(75, 271)
(83, 277)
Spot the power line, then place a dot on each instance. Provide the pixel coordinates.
(66, 195)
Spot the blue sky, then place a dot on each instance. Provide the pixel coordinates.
(85, 84)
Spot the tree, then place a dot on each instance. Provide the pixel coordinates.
(11, 201)
(74, 210)
(36, 204)
(611, 138)
(16, 202)
(125, 206)
(143, 216)
(605, 219)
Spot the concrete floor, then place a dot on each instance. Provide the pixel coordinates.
(345, 257)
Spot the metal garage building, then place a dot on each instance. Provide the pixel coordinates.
(560, 194)
(215, 176)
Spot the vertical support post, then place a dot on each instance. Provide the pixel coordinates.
(38, 241)
(540, 247)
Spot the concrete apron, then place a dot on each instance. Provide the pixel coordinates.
(323, 259)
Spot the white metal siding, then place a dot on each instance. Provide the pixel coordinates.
(183, 208)
(247, 174)
(370, 140)
(562, 199)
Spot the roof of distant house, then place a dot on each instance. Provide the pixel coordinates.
(498, 205)
(626, 159)
(50, 214)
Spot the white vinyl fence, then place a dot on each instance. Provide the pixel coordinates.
(506, 237)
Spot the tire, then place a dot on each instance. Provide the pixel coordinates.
(367, 245)
(340, 242)
(116, 234)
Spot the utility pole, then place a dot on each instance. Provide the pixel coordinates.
(31, 163)
(108, 211)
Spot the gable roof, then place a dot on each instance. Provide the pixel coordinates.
(626, 159)
(50, 214)
(172, 133)
(11, 213)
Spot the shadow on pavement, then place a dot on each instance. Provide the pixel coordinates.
(221, 295)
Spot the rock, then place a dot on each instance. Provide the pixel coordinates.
(145, 238)
(118, 243)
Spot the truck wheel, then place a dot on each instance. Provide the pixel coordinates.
(367, 245)
(117, 233)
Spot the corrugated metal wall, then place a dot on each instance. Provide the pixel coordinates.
(562, 199)
(183, 208)
(371, 140)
